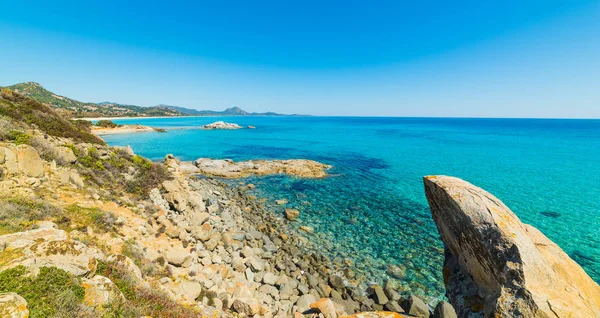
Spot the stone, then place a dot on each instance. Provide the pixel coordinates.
(281, 202)
(189, 290)
(378, 294)
(304, 302)
(180, 258)
(415, 306)
(256, 264)
(291, 214)
(337, 282)
(497, 266)
(29, 161)
(393, 306)
(307, 229)
(269, 278)
(243, 306)
(326, 307)
(13, 306)
(64, 155)
(76, 179)
(100, 291)
(444, 310)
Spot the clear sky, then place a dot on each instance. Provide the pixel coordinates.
(381, 58)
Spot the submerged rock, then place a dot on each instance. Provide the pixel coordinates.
(291, 214)
(496, 266)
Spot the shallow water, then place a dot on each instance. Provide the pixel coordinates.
(373, 209)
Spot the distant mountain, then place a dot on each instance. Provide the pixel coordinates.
(111, 109)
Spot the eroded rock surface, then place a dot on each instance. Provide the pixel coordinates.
(227, 168)
(13, 306)
(496, 266)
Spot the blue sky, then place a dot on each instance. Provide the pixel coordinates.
(366, 58)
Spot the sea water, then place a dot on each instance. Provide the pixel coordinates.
(372, 210)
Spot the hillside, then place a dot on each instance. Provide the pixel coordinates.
(75, 108)
(83, 109)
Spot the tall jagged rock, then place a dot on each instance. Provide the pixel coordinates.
(496, 266)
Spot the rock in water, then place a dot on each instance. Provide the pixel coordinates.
(496, 266)
(221, 125)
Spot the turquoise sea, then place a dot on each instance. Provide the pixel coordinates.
(373, 211)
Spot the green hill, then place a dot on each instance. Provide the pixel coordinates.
(83, 109)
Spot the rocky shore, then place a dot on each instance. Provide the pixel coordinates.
(227, 168)
(89, 230)
(121, 129)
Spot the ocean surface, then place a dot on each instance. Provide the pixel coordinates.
(372, 211)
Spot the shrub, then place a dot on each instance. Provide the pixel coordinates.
(106, 124)
(52, 293)
(19, 137)
(18, 214)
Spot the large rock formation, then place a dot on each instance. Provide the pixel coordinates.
(228, 168)
(496, 266)
(221, 125)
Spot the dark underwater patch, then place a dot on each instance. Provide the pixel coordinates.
(551, 214)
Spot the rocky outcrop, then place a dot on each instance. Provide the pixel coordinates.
(227, 168)
(496, 266)
(49, 247)
(13, 306)
(221, 125)
(122, 129)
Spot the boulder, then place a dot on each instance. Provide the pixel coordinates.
(29, 161)
(444, 310)
(188, 290)
(10, 160)
(76, 179)
(497, 266)
(13, 306)
(180, 258)
(416, 307)
(304, 302)
(378, 294)
(291, 214)
(64, 155)
(100, 291)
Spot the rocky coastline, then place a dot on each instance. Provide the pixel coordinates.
(122, 129)
(125, 236)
